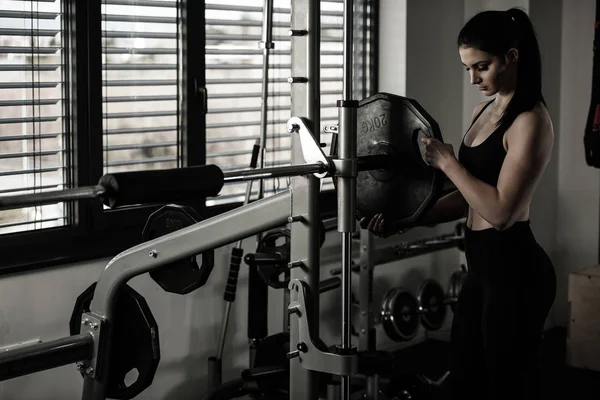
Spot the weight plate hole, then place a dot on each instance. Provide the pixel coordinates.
(131, 377)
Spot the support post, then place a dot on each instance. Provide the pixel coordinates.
(305, 90)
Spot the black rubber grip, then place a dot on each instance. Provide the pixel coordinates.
(161, 186)
(264, 259)
(234, 269)
(255, 153)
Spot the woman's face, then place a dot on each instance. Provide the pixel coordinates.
(486, 70)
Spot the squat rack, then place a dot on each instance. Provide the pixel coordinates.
(298, 206)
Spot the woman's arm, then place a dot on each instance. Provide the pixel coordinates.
(529, 151)
(449, 208)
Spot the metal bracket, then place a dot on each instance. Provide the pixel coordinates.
(331, 128)
(346, 168)
(311, 150)
(310, 356)
(266, 45)
(92, 324)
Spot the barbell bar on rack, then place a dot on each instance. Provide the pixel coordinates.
(414, 248)
(392, 176)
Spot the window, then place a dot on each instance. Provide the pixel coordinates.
(234, 74)
(33, 137)
(95, 87)
(141, 62)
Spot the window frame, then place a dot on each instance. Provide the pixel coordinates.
(94, 232)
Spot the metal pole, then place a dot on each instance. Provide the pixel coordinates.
(266, 44)
(231, 288)
(305, 245)
(55, 196)
(348, 42)
(40, 357)
(347, 188)
(292, 170)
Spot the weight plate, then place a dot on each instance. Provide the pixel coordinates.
(399, 315)
(431, 301)
(393, 125)
(275, 242)
(185, 275)
(135, 344)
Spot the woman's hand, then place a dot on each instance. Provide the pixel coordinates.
(376, 226)
(438, 154)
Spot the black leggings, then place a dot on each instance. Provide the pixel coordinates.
(499, 320)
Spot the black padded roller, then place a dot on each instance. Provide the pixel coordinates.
(161, 186)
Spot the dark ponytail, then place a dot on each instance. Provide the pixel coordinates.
(496, 32)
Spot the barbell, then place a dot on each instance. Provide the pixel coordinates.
(391, 174)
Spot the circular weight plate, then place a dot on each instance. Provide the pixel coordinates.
(431, 299)
(396, 122)
(399, 315)
(185, 275)
(135, 347)
(276, 241)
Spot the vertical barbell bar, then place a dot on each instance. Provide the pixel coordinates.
(347, 187)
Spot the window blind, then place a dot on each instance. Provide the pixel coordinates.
(141, 61)
(234, 82)
(33, 151)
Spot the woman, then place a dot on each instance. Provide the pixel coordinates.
(498, 325)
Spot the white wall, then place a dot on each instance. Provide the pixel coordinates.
(578, 185)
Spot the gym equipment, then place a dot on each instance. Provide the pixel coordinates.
(413, 248)
(268, 378)
(455, 284)
(135, 341)
(401, 312)
(432, 306)
(393, 126)
(132, 188)
(429, 245)
(459, 231)
(271, 357)
(182, 276)
(215, 362)
(399, 315)
(391, 175)
(272, 257)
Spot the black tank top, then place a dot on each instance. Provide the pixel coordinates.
(484, 161)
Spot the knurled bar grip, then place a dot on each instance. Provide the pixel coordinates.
(234, 269)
